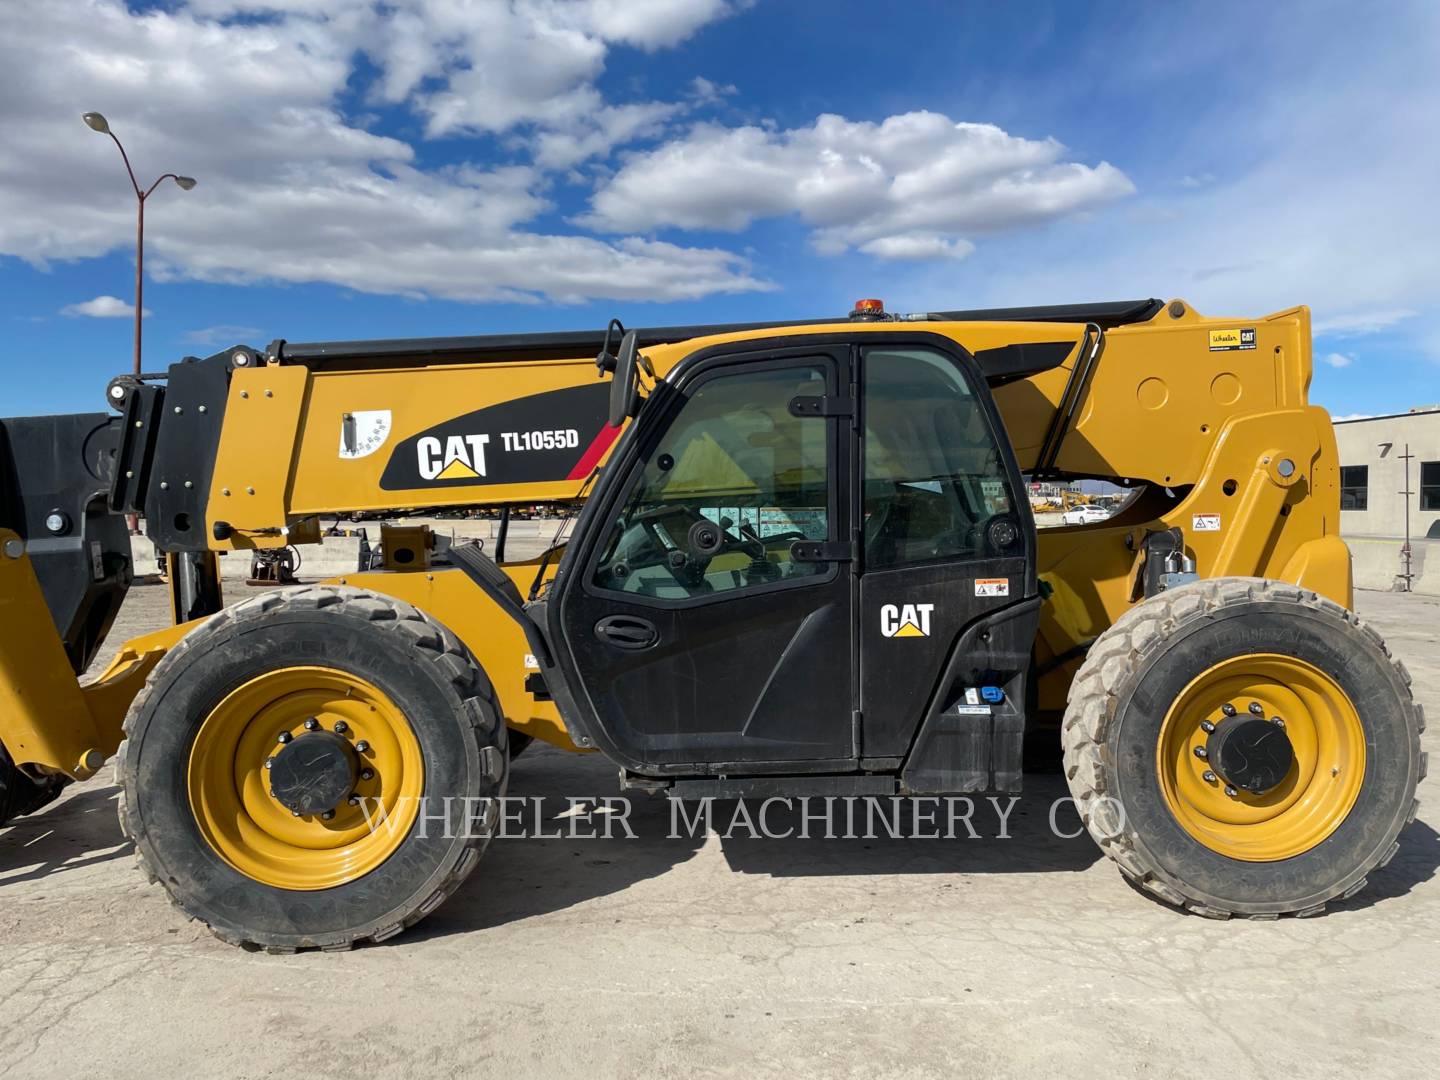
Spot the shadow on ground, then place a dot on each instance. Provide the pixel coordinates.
(79, 831)
(528, 875)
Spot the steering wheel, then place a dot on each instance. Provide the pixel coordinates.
(703, 540)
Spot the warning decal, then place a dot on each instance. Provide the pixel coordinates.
(1205, 523)
(992, 586)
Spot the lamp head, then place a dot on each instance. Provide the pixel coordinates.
(96, 122)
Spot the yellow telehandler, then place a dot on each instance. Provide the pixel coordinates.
(804, 564)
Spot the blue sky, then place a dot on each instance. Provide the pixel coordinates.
(440, 167)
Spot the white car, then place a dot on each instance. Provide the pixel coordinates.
(1084, 515)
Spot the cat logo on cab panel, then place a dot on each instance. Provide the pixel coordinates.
(906, 620)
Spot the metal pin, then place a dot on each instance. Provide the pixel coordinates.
(1230, 791)
(341, 727)
(1206, 726)
(361, 746)
(284, 737)
(270, 763)
(1255, 709)
(1209, 777)
(1277, 721)
(1228, 709)
(311, 724)
(368, 774)
(1201, 752)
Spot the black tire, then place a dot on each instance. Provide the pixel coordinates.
(1123, 690)
(429, 675)
(20, 793)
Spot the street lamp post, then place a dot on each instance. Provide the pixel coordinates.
(96, 122)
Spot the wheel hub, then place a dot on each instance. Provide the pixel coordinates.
(1250, 753)
(314, 773)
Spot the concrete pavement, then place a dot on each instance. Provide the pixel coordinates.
(739, 958)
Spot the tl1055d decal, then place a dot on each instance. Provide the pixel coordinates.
(553, 436)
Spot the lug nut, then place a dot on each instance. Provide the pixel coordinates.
(270, 763)
(1209, 777)
(361, 746)
(312, 724)
(1206, 726)
(1201, 752)
(354, 800)
(328, 815)
(1255, 709)
(1230, 791)
(367, 774)
(294, 813)
(1277, 721)
(1228, 709)
(341, 727)
(284, 737)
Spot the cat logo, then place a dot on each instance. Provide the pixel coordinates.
(461, 457)
(909, 620)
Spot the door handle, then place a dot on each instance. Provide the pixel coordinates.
(627, 632)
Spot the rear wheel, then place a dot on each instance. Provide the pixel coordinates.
(314, 767)
(1244, 747)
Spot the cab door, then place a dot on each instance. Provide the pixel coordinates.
(705, 614)
(947, 541)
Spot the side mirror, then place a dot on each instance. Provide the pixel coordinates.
(624, 395)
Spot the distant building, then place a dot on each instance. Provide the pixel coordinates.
(1372, 474)
(1373, 504)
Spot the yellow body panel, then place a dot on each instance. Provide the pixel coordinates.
(48, 720)
(447, 595)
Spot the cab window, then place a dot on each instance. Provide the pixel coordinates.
(733, 482)
(935, 481)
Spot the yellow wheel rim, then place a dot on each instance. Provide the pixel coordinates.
(257, 835)
(1314, 796)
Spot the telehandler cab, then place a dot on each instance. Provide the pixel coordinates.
(805, 565)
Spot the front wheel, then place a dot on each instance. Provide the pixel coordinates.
(314, 767)
(1244, 747)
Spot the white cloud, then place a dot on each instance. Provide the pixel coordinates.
(290, 188)
(215, 336)
(605, 128)
(492, 66)
(1360, 323)
(104, 307)
(705, 92)
(1339, 360)
(857, 183)
(918, 246)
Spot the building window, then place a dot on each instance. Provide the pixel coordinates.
(1430, 485)
(1355, 486)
